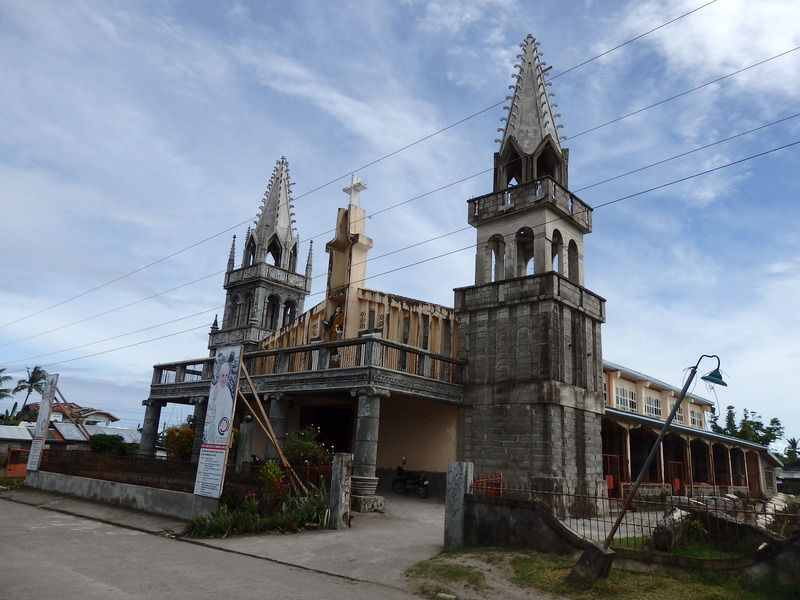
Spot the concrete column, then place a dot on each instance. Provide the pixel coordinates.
(245, 440)
(366, 446)
(340, 490)
(200, 407)
(278, 417)
(152, 416)
(459, 478)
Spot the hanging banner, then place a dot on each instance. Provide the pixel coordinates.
(218, 423)
(42, 422)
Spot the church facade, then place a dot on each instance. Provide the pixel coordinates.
(511, 378)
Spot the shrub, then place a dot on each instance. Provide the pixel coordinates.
(302, 445)
(177, 441)
(104, 443)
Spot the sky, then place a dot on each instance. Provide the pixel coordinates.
(139, 137)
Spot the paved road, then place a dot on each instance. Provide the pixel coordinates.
(44, 554)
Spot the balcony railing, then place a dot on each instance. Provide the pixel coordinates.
(351, 353)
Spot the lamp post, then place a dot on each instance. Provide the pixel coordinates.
(712, 377)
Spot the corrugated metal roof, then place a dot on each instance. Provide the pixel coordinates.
(72, 434)
(10, 432)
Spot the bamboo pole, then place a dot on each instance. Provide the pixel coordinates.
(267, 426)
(67, 410)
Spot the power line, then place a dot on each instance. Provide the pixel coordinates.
(471, 246)
(374, 162)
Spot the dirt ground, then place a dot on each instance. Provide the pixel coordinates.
(497, 574)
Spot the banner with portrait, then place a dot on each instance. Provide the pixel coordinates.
(219, 422)
(42, 422)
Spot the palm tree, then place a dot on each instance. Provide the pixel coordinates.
(792, 449)
(34, 383)
(4, 392)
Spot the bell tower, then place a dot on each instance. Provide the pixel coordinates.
(266, 291)
(528, 329)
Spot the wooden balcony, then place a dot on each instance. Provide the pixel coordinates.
(324, 367)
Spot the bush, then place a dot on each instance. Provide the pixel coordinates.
(177, 441)
(104, 443)
(301, 445)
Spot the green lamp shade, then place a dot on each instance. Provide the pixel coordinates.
(714, 377)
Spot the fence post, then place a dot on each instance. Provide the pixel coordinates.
(459, 478)
(340, 490)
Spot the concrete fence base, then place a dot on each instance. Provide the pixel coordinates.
(163, 502)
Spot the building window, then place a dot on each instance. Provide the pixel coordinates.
(678, 413)
(626, 399)
(652, 407)
(696, 418)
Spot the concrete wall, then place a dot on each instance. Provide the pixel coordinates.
(490, 521)
(163, 502)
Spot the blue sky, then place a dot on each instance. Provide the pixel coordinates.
(140, 136)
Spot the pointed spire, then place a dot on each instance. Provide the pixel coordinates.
(231, 255)
(275, 222)
(308, 262)
(530, 117)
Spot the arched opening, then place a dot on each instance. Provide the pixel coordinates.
(754, 475)
(615, 457)
(229, 319)
(674, 449)
(274, 251)
(293, 259)
(557, 251)
(512, 167)
(548, 164)
(722, 476)
(700, 462)
(525, 262)
(738, 471)
(497, 251)
(272, 313)
(248, 311)
(289, 311)
(250, 252)
(573, 266)
(641, 441)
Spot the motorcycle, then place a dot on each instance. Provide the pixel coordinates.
(410, 480)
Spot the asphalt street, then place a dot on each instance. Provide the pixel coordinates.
(50, 550)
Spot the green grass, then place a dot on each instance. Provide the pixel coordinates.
(452, 570)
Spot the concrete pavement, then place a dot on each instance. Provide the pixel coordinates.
(377, 548)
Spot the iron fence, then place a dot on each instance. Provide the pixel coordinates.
(703, 527)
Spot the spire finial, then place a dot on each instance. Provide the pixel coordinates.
(354, 189)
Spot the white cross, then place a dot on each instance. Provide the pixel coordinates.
(354, 189)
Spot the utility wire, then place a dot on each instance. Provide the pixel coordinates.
(331, 182)
(471, 246)
(417, 244)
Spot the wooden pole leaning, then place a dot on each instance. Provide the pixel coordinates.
(67, 410)
(267, 427)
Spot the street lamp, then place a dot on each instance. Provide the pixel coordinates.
(597, 563)
(713, 377)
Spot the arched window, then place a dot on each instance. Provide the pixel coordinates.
(497, 249)
(289, 310)
(573, 271)
(525, 262)
(274, 253)
(293, 259)
(272, 313)
(548, 164)
(557, 251)
(250, 252)
(247, 313)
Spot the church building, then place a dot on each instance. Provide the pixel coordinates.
(511, 378)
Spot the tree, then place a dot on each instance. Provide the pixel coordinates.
(792, 449)
(34, 383)
(4, 392)
(178, 441)
(750, 427)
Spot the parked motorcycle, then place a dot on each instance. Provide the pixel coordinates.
(410, 480)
